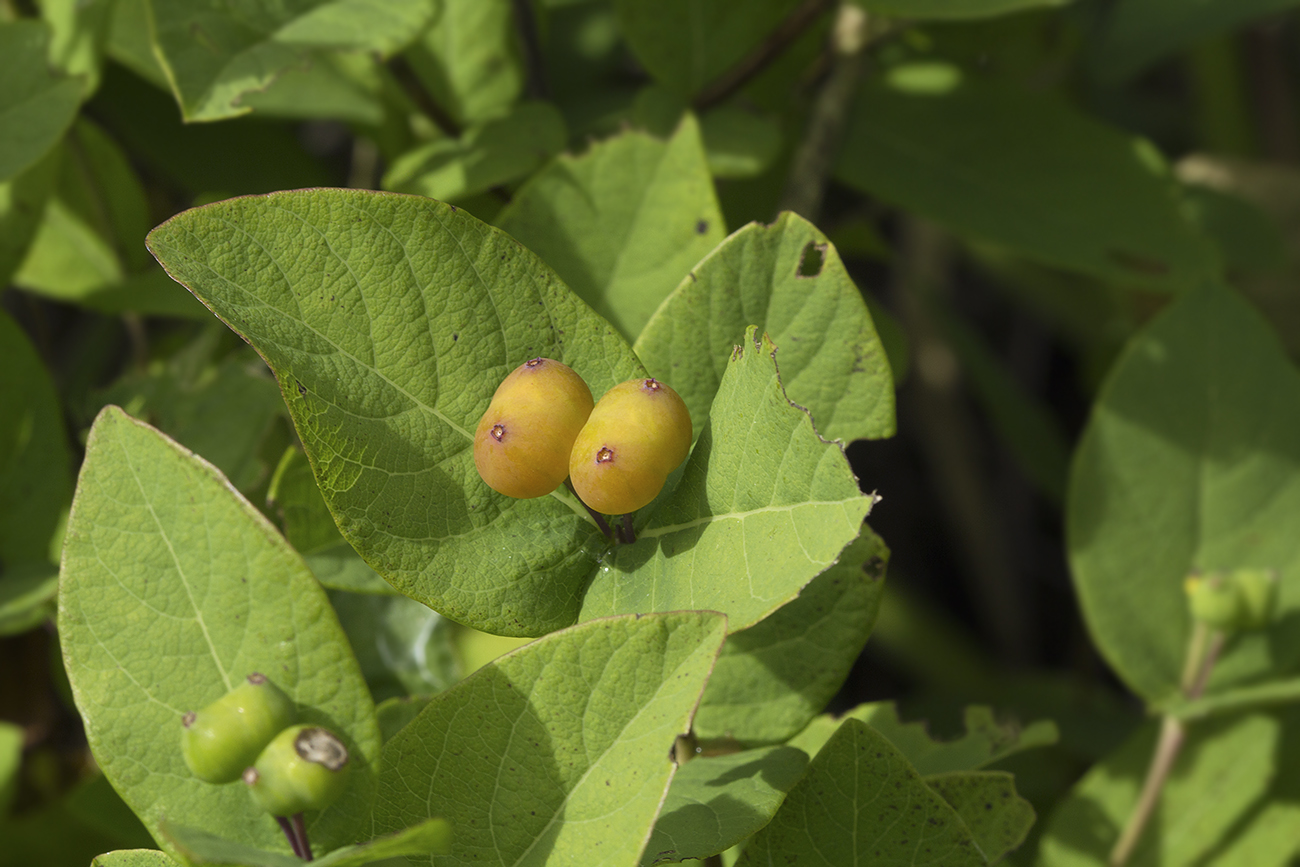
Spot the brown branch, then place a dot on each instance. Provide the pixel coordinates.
(761, 57)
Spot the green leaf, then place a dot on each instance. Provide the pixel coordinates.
(986, 740)
(951, 10)
(775, 676)
(685, 44)
(134, 858)
(35, 464)
(11, 759)
(763, 500)
(469, 60)
(337, 85)
(174, 587)
(1250, 240)
(79, 30)
(310, 528)
(27, 594)
(36, 107)
(1139, 32)
(395, 713)
(787, 279)
(389, 321)
(987, 803)
(559, 751)
(22, 207)
(68, 260)
(1230, 799)
(715, 803)
(485, 156)
(222, 409)
(212, 56)
(200, 847)
(1191, 460)
(739, 143)
(1028, 173)
(860, 802)
(623, 223)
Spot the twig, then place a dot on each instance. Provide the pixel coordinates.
(1173, 733)
(300, 828)
(815, 157)
(288, 832)
(761, 57)
(526, 25)
(415, 90)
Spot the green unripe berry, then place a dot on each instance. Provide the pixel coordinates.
(1241, 600)
(637, 434)
(225, 737)
(522, 445)
(303, 768)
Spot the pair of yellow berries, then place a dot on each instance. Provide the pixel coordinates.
(542, 426)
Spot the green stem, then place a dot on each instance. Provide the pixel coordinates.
(1247, 698)
(300, 828)
(1172, 735)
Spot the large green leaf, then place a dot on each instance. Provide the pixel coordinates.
(224, 410)
(861, 803)
(201, 847)
(469, 60)
(715, 803)
(310, 529)
(35, 464)
(987, 803)
(1139, 32)
(1191, 460)
(22, 206)
(486, 155)
(134, 858)
(685, 44)
(1027, 173)
(775, 676)
(174, 588)
(986, 740)
(35, 105)
(622, 223)
(787, 279)
(213, 54)
(389, 321)
(764, 505)
(1231, 799)
(944, 10)
(559, 751)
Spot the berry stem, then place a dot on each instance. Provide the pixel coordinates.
(288, 833)
(300, 828)
(628, 534)
(601, 523)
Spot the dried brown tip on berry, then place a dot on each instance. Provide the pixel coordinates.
(498, 432)
(322, 747)
(189, 718)
(534, 362)
(250, 776)
(257, 678)
(605, 455)
(650, 385)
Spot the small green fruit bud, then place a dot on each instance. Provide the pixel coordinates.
(1241, 600)
(1258, 590)
(303, 768)
(221, 740)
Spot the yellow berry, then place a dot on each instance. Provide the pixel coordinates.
(522, 444)
(637, 434)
